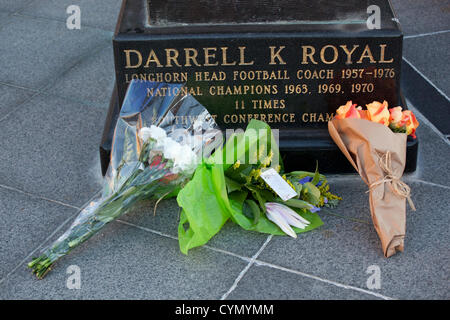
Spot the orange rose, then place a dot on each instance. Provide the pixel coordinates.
(396, 116)
(378, 112)
(363, 113)
(403, 121)
(347, 111)
(411, 123)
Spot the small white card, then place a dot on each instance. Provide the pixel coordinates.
(278, 184)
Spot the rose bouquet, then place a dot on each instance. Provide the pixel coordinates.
(235, 186)
(158, 142)
(374, 141)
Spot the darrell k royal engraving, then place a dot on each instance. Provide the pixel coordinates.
(219, 56)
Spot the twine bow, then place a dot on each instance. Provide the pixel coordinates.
(399, 187)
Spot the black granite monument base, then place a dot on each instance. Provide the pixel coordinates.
(297, 152)
(290, 63)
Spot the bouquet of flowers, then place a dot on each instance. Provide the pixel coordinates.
(158, 142)
(235, 183)
(374, 141)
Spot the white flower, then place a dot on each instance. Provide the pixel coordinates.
(184, 159)
(153, 132)
(144, 134)
(284, 217)
(170, 148)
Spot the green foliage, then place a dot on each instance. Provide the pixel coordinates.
(235, 190)
(397, 129)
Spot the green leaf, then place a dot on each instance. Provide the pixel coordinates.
(302, 174)
(257, 195)
(240, 174)
(267, 195)
(316, 178)
(298, 187)
(256, 212)
(311, 193)
(232, 185)
(296, 203)
(247, 210)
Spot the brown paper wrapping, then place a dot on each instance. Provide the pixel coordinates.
(363, 143)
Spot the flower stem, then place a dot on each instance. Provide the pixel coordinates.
(141, 184)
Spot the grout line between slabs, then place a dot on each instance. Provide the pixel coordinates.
(251, 261)
(11, 13)
(348, 287)
(17, 86)
(45, 89)
(243, 272)
(260, 262)
(47, 93)
(147, 229)
(176, 238)
(82, 102)
(23, 7)
(37, 93)
(429, 183)
(95, 105)
(39, 197)
(90, 53)
(425, 34)
(84, 25)
(70, 218)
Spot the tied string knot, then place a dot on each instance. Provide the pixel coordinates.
(398, 187)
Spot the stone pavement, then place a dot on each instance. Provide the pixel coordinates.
(55, 86)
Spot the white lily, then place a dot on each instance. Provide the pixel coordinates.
(287, 211)
(284, 217)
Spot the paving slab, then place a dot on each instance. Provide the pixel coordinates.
(342, 249)
(430, 55)
(422, 16)
(127, 263)
(13, 5)
(91, 81)
(94, 13)
(231, 238)
(4, 17)
(50, 148)
(39, 50)
(266, 283)
(11, 97)
(25, 222)
(434, 152)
